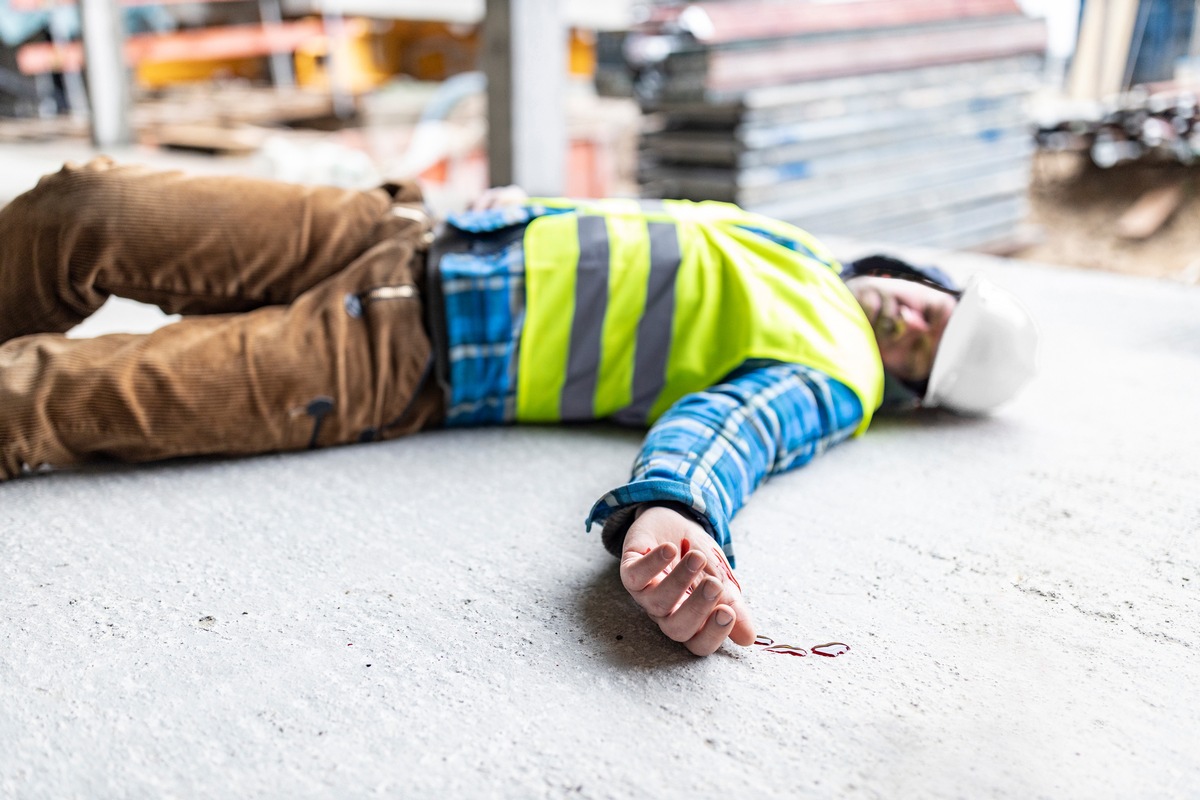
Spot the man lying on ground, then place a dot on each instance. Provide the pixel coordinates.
(315, 316)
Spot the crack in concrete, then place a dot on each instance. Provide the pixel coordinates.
(1048, 594)
(1166, 637)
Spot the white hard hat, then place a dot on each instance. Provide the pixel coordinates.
(987, 354)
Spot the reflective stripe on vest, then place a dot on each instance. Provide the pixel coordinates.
(628, 309)
(591, 305)
(604, 349)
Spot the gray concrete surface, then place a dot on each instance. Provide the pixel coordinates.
(427, 617)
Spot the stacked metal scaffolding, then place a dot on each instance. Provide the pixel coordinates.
(897, 120)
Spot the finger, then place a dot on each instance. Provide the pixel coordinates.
(663, 598)
(743, 632)
(714, 632)
(638, 570)
(689, 618)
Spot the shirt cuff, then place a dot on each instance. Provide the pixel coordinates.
(616, 511)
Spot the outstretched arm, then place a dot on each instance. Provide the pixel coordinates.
(703, 459)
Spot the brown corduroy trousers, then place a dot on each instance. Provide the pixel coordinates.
(302, 318)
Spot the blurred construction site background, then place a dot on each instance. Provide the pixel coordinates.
(1058, 130)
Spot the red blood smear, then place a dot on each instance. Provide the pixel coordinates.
(787, 650)
(684, 547)
(818, 649)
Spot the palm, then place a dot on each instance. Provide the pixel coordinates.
(692, 596)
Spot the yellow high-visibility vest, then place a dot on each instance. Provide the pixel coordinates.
(631, 305)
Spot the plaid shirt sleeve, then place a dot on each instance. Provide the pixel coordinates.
(712, 449)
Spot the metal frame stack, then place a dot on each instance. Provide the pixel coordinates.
(897, 120)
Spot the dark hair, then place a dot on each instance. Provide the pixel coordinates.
(881, 266)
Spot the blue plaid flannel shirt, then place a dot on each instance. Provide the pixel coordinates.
(707, 453)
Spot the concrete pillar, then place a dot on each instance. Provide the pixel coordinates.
(108, 81)
(525, 58)
(282, 74)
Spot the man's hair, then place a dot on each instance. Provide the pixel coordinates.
(881, 266)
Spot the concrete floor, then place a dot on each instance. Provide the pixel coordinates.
(427, 617)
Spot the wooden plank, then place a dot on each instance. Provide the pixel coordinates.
(233, 41)
(1118, 35)
(1194, 45)
(1102, 49)
(1083, 82)
(1150, 211)
(230, 106)
(211, 139)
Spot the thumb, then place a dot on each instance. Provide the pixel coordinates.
(638, 539)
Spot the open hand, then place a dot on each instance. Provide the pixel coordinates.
(692, 596)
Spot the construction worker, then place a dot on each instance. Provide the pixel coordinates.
(316, 316)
